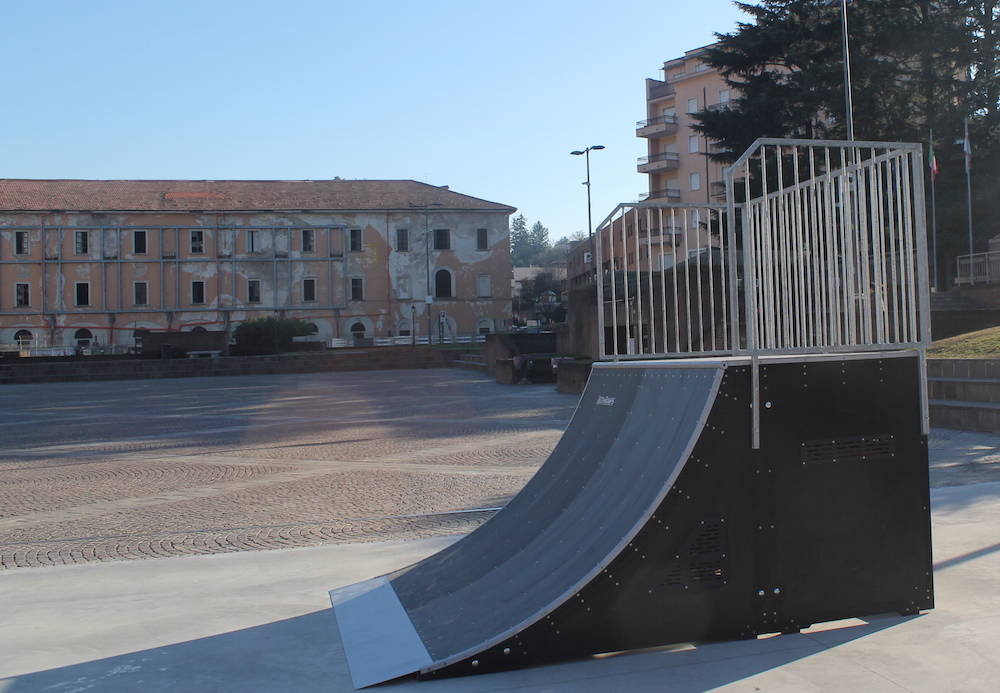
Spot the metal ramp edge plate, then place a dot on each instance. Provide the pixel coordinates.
(626, 444)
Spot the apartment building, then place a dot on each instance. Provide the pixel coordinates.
(85, 262)
(676, 165)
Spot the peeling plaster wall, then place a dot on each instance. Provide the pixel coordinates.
(394, 283)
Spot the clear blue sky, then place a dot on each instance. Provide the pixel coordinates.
(487, 97)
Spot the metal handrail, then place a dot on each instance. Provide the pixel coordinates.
(661, 156)
(665, 119)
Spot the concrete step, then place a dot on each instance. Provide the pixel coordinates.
(470, 365)
(968, 416)
(964, 389)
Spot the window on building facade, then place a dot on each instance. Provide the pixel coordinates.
(22, 295)
(357, 289)
(724, 97)
(482, 240)
(695, 180)
(403, 287)
(197, 292)
(83, 337)
(312, 328)
(442, 284)
(23, 338)
(140, 293)
(693, 143)
(484, 286)
(253, 291)
(139, 242)
(308, 290)
(308, 241)
(692, 105)
(81, 243)
(404, 328)
(358, 330)
(357, 245)
(20, 242)
(402, 241)
(484, 326)
(442, 239)
(197, 242)
(82, 294)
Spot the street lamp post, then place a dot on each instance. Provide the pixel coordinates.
(590, 224)
(848, 105)
(429, 300)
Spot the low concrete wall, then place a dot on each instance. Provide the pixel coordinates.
(571, 376)
(382, 358)
(948, 323)
(965, 393)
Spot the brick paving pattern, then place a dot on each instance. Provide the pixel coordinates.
(119, 470)
(99, 471)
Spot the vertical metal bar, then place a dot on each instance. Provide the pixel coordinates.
(920, 236)
(698, 279)
(711, 274)
(649, 281)
(750, 274)
(802, 301)
(687, 280)
(782, 255)
(597, 271)
(663, 288)
(673, 251)
(725, 229)
(909, 206)
(904, 295)
(765, 234)
(614, 282)
(626, 308)
(638, 285)
(829, 223)
(890, 202)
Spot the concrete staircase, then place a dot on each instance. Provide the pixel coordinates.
(471, 360)
(965, 393)
(952, 300)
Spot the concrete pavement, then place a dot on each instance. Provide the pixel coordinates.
(259, 621)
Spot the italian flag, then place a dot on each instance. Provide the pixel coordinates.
(932, 162)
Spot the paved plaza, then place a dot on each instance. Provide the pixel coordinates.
(101, 471)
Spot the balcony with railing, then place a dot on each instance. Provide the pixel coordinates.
(717, 189)
(660, 91)
(660, 126)
(663, 161)
(978, 268)
(662, 194)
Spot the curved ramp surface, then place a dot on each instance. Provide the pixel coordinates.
(628, 441)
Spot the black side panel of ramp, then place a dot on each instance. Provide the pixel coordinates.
(627, 442)
(654, 522)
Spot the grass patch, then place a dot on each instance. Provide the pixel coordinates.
(973, 345)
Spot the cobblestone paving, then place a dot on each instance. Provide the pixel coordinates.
(157, 468)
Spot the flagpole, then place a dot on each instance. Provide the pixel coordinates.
(968, 195)
(934, 211)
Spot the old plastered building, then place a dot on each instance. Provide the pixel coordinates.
(85, 262)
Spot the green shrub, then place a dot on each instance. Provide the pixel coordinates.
(268, 335)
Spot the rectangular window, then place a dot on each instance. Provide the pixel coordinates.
(82, 294)
(693, 143)
(484, 286)
(20, 242)
(356, 246)
(692, 105)
(442, 239)
(723, 96)
(139, 242)
(402, 241)
(695, 179)
(197, 242)
(308, 290)
(357, 289)
(82, 243)
(197, 293)
(253, 291)
(253, 243)
(140, 293)
(482, 240)
(22, 293)
(308, 241)
(403, 287)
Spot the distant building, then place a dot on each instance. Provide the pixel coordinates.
(86, 262)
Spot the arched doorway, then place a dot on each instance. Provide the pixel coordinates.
(358, 330)
(199, 328)
(312, 327)
(442, 284)
(23, 338)
(83, 337)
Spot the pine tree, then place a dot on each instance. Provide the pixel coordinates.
(519, 250)
(539, 240)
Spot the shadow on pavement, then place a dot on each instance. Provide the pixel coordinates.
(304, 654)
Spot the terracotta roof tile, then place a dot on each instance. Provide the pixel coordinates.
(229, 195)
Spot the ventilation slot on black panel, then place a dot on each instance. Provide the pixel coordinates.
(868, 448)
(701, 562)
